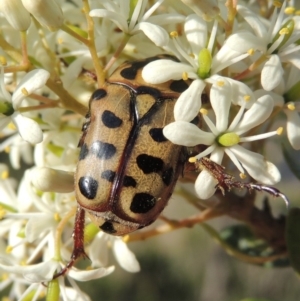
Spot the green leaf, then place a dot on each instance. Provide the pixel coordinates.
(255, 299)
(239, 241)
(293, 237)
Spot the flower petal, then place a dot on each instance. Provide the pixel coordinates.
(240, 92)
(155, 33)
(205, 185)
(196, 32)
(220, 99)
(161, 71)
(32, 81)
(125, 257)
(28, 129)
(293, 128)
(38, 224)
(187, 134)
(80, 275)
(278, 99)
(272, 73)
(257, 167)
(257, 114)
(252, 19)
(189, 102)
(117, 18)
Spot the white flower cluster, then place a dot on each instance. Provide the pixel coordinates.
(247, 64)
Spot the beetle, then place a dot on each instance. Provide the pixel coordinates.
(127, 169)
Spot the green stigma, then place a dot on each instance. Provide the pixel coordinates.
(6, 108)
(204, 62)
(228, 139)
(286, 29)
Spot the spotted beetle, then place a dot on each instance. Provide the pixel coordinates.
(127, 169)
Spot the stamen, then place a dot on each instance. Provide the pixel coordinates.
(220, 83)
(203, 111)
(291, 106)
(174, 34)
(284, 31)
(125, 238)
(243, 176)
(24, 91)
(2, 212)
(277, 4)
(4, 175)
(290, 10)
(3, 61)
(247, 98)
(9, 249)
(251, 51)
(57, 217)
(185, 76)
(192, 159)
(279, 131)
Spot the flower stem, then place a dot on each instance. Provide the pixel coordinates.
(91, 44)
(59, 230)
(122, 45)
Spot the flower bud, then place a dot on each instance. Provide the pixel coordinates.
(16, 14)
(48, 179)
(48, 12)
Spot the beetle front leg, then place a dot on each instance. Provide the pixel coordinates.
(78, 237)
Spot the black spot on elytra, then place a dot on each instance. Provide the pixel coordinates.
(157, 135)
(129, 181)
(103, 150)
(84, 151)
(148, 90)
(108, 175)
(88, 187)
(167, 176)
(142, 203)
(131, 72)
(108, 227)
(98, 94)
(149, 163)
(178, 86)
(110, 120)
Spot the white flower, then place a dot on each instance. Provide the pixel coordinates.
(10, 104)
(225, 138)
(200, 64)
(120, 12)
(287, 98)
(98, 252)
(275, 39)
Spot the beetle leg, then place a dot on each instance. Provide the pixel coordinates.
(78, 237)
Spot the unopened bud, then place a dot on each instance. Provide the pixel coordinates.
(48, 179)
(16, 14)
(48, 12)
